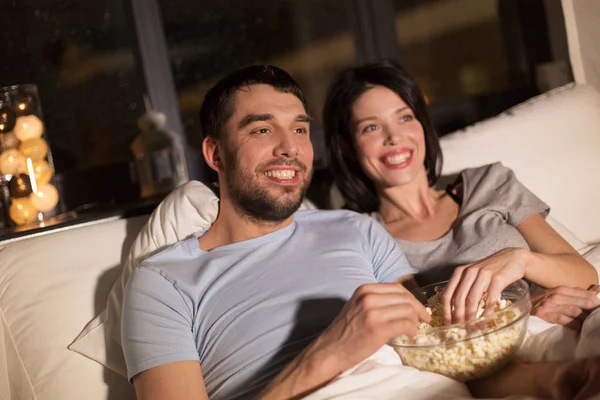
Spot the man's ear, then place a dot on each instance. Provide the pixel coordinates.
(211, 152)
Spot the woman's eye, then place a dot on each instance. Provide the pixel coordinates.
(407, 118)
(370, 128)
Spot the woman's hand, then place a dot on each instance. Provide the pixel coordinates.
(470, 282)
(564, 305)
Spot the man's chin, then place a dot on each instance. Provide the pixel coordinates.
(287, 199)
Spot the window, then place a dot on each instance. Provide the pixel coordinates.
(95, 64)
(79, 55)
(310, 39)
(473, 59)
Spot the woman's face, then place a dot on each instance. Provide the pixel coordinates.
(389, 139)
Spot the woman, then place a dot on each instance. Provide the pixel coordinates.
(483, 232)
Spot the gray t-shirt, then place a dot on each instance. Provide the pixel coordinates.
(247, 309)
(494, 202)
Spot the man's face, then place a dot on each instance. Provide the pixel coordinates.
(267, 153)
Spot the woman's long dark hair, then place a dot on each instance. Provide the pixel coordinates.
(356, 188)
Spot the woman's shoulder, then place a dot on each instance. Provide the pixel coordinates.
(492, 176)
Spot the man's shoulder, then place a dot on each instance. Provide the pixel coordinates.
(171, 256)
(332, 218)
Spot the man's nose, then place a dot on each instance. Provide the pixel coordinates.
(287, 145)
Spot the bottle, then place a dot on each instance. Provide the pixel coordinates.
(158, 155)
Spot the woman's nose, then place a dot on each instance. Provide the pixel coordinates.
(391, 139)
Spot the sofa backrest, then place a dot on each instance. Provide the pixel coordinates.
(50, 287)
(552, 142)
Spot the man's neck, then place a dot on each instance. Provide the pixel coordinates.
(232, 226)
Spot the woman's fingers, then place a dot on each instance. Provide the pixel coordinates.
(448, 295)
(460, 295)
(494, 293)
(477, 290)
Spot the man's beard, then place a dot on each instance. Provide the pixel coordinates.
(255, 201)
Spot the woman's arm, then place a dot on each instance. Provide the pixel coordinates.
(552, 261)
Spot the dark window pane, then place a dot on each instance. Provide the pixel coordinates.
(475, 58)
(311, 39)
(80, 56)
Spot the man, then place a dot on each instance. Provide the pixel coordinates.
(267, 299)
(275, 303)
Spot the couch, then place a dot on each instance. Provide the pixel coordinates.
(52, 285)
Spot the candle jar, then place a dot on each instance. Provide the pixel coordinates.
(25, 160)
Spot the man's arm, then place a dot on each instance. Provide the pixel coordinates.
(158, 343)
(175, 381)
(374, 315)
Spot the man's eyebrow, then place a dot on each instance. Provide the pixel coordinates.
(250, 118)
(303, 118)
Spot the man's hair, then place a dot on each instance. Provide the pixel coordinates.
(217, 107)
(356, 187)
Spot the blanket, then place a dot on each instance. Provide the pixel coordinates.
(383, 377)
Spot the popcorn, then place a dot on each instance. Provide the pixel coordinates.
(464, 352)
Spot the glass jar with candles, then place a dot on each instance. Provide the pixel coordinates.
(26, 165)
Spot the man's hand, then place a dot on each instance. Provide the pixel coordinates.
(564, 305)
(374, 314)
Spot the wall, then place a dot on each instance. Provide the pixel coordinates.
(582, 19)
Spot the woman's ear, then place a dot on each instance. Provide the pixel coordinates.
(211, 151)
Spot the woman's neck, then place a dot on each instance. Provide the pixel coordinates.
(415, 201)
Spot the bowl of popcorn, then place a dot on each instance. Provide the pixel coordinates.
(470, 350)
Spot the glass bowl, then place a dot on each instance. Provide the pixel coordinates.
(470, 350)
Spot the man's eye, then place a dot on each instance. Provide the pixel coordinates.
(301, 130)
(261, 130)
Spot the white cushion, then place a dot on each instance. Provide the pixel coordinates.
(190, 208)
(552, 143)
(50, 286)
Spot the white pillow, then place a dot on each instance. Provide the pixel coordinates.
(552, 143)
(190, 208)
